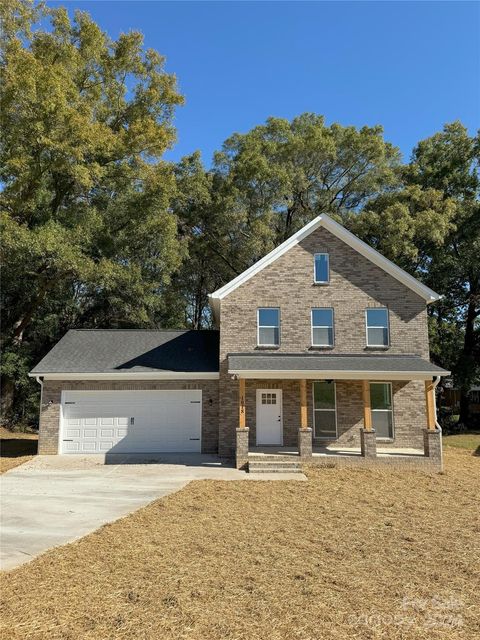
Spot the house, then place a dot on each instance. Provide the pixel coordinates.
(321, 342)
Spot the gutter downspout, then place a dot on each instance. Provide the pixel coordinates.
(437, 425)
(39, 379)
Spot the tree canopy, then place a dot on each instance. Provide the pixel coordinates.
(88, 235)
(99, 230)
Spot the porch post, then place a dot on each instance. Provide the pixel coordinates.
(432, 437)
(241, 451)
(430, 402)
(368, 440)
(304, 433)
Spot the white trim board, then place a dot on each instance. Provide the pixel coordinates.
(343, 234)
(173, 375)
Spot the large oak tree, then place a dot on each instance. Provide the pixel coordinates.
(88, 235)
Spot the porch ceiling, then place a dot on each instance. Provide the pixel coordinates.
(335, 367)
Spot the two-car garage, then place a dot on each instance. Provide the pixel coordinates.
(130, 391)
(131, 421)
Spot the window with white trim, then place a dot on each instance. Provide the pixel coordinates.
(377, 327)
(382, 408)
(321, 271)
(324, 410)
(268, 322)
(322, 327)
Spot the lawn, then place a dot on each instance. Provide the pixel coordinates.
(463, 441)
(16, 448)
(349, 554)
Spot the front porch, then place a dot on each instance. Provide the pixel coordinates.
(404, 433)
(335, 456)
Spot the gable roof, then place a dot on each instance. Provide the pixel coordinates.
(124, 353)
(343, 234)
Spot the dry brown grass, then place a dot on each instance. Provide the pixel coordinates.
(16, 448)
(331, 558)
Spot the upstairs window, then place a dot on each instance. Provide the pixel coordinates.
(377, 327)
(321, 273)
(268, 323)
(322, 327)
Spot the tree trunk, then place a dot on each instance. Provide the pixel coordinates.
(22, 323)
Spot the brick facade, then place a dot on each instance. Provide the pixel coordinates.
(51, 399)
(355, 284)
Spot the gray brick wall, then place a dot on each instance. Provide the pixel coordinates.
(355, 284)
(51, 398)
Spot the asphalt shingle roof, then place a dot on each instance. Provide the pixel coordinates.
(132, 351)
(330, 362)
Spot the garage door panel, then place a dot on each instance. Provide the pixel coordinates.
(71, 447)
(89, 447)
(73, 433)
(131, 421)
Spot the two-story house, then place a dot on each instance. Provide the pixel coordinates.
(323, 342)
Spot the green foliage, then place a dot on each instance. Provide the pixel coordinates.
(88, 233)
(295, 170)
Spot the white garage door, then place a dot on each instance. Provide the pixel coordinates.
(131, 421)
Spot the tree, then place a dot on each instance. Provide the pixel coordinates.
(449, 161)
(88, 235)
(301, 168)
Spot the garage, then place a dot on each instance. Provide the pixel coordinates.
(131, 421)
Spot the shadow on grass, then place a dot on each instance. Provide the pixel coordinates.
(476, 452)
(18, 447)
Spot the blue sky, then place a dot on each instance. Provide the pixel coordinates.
(410, 66)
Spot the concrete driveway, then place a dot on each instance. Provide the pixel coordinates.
(52, 500)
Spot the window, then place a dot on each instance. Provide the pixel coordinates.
(268, 327)
(269, 398)
(381, 405)
(322, 327)
(321, 270)
(377, 327)
(324, 410)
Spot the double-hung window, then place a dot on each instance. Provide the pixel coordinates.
(377, 327)
(324, 410)
(382, 408)
(322, 327)
(321, 273)
(268, 323)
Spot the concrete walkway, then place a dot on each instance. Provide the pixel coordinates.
(52, 500)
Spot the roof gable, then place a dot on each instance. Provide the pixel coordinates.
(343, 234)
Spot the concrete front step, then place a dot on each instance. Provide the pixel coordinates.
(272, 457)
(274, 466)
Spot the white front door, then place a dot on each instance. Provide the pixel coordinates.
(269, 416)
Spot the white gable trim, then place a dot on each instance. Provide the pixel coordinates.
(346, 236)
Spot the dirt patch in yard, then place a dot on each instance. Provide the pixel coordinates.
(16, 448)
(358, 554)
